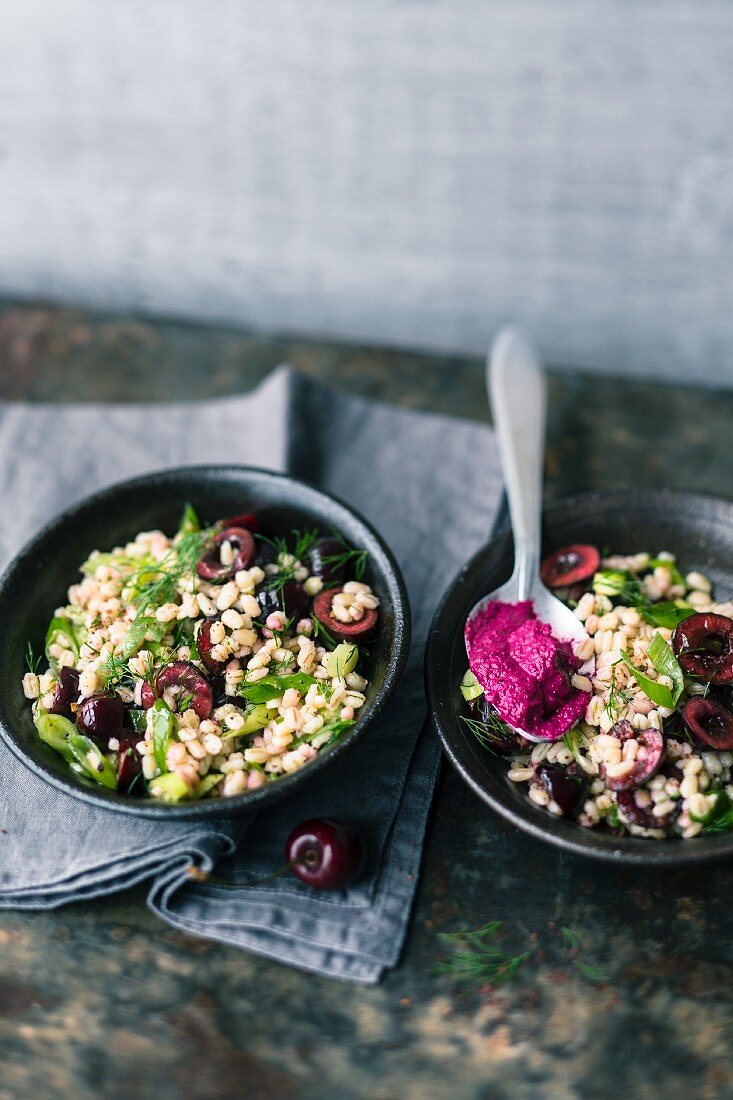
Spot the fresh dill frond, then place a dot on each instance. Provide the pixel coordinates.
(154, 585)
(573, 941)
(617, 697)
(357, 559)
(32, 661)
(489, 734)
(116, 672)
(595, 974)
(476, 960)
(325, 637)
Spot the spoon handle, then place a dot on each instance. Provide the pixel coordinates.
(516, 386)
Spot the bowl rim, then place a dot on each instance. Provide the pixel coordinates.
(631, 851)
(248, 801)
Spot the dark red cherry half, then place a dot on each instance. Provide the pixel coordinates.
(709, 722)
(290, 598)
(703, 644)
(206, 645)
(570, 565)
(325, 854)
(210, 566)
(360, 630)
(566, 786)
(100, 717)
(66, 692)
(321, 561)
(129, 766)
(191, 681)
(648, 759)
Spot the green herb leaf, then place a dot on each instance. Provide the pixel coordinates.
(575, 740)
(665, 662)
(163, 724)
(661, 656)
(666, 614)
(137, 633)
(190, 522)
(55, 730)
(91, 758)
(595, 974)
(470, 687)
(138, 719)
(270, 687)
(675, 575)
(61, 631)
(719, 818)
(476, 960)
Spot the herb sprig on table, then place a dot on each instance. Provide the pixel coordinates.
(475, 959)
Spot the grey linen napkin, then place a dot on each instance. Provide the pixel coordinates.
(431, 486)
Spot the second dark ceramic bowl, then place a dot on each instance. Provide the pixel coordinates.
(37, 580)
(698, 529)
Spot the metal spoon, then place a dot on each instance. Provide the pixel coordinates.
(516, 386)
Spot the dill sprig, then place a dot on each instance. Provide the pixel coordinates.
(324, 636)
(617, 697)
(357, 559)
(490, 734)
(32, 661)
(573, 941)
(154, 585)
(476, 960)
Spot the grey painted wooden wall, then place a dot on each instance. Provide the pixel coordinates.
(403, 171)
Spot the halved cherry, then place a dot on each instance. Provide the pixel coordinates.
(206, 645)
(100, 717)
(322, 563)
(289, 597)
(190, 681)
(129, 765)
(356, 631)
(210, 565)
(631, 812)
(147, 695)
(66, 692)
(647, 761)
(566, 786)
(703, 644)
(710, 722)
(570, 565)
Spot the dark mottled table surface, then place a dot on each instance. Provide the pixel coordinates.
(103, 1000)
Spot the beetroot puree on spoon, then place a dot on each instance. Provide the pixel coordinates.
(525, 671)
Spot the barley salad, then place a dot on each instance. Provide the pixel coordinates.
(653, 754)
(205, 664)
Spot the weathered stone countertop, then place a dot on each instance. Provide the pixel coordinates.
(102, 999)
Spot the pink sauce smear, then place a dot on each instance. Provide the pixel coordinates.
(526, 672)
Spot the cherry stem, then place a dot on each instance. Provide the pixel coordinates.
(225, 885)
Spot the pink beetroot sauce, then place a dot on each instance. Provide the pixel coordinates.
(526, 672)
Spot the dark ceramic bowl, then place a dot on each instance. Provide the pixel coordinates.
(36, 583)
(698, 529)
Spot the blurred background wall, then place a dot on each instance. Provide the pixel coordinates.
(404, 171)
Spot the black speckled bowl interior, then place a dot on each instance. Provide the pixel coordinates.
(37, 581)
(698, 529)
